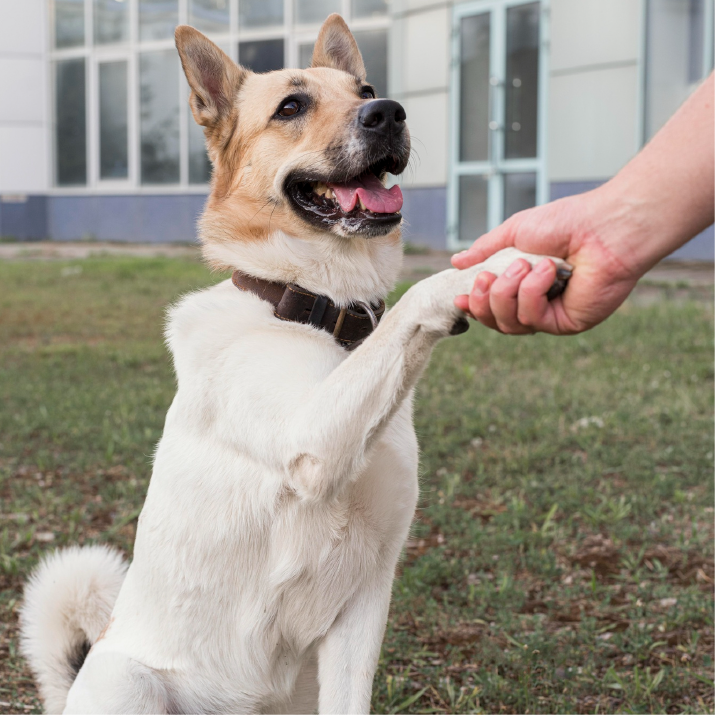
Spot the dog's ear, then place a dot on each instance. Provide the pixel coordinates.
(213, 77)
(336, 48)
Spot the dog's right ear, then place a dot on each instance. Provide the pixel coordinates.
(213, 77)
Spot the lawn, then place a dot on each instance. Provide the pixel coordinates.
(562, 556)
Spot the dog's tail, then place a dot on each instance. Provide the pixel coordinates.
(68, 601)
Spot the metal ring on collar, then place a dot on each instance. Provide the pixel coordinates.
(369, 312)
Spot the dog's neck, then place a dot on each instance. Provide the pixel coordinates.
(344, 269)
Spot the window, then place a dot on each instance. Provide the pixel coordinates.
(69, 23)
(122, 119)
(315, 11)
(368, 8)
(261, 55)
(373, 48)
(157, 19)
(305, 54)
(679, 48)
(113, 136)
(71, 123)
(496, 162)
(260, 13)
(209, 16)
(159, 112)
(111, 21)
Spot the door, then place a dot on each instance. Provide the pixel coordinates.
(498, 115)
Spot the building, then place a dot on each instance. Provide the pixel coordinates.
(509, 102)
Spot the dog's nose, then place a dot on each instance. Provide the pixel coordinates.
(384, 116)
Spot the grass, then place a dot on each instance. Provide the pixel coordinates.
(562, 556)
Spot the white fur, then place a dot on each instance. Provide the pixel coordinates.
(68, 601)
(282, 493)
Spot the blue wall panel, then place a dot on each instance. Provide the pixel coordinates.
(133, 218)
(425, 212)
(24, 220)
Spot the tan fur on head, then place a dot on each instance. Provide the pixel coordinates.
(253, 151)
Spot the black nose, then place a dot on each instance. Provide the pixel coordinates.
(384, 116)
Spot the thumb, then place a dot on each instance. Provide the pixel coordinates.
(501, 237)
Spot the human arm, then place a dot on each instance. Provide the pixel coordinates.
(611, 236)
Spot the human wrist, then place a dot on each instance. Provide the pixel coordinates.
(641, 229)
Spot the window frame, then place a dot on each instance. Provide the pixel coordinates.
(494, 168)
(292, 34)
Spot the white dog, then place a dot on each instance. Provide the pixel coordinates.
(286, 479)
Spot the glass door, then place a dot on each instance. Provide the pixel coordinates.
(498, 115)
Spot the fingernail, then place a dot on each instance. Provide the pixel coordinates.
(482, 284)
(543, 266)
(514, 269)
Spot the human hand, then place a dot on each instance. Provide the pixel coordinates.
(593, 232)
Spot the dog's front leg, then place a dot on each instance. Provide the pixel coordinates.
(348, 654)
(336, 425)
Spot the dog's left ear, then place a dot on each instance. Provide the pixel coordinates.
(336, 48)
(213, 77)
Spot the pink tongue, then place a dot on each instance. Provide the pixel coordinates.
(374, 195)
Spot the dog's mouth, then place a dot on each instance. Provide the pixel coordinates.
(360, 204)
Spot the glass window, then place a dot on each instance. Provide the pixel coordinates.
(373, 48)
(260, 13)
(157, 19)
(71, 123)
(474, 88)
(305, 55)
(522, 81)
(519, 193)
(315, 11)
(209, 15)
(159, 113)
(675, 60)
(199, 163)
(368, 8)
(69, 23)
(113, 155)
(472, 207)
(261, 55)
(111, 21)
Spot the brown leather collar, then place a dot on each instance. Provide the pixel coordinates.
(350, 326)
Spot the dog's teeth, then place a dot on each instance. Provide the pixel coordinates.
(329, 193)
(321, 189)
(362, 205)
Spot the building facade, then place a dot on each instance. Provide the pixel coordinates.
(510, 103)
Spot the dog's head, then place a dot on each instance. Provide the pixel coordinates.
(300, 151)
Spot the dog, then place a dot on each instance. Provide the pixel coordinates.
(285, 481)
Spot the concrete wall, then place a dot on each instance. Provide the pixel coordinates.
(24, 132)
(594, 116)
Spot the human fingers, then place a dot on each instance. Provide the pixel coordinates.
(504, 299)
(478, 300)
(482, 248)
(533, 307)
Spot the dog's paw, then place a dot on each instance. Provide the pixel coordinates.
(461, 325)
(500, 261)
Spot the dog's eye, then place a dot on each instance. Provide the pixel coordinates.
(367, 93)
(289, 108)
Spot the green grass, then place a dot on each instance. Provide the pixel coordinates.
(562, 556)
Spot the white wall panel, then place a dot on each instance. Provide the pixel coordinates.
(22, 26)
(592, 123)
(23, 89)
(427, 120)
(592, 32)
(426, 51)
(23, 159)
